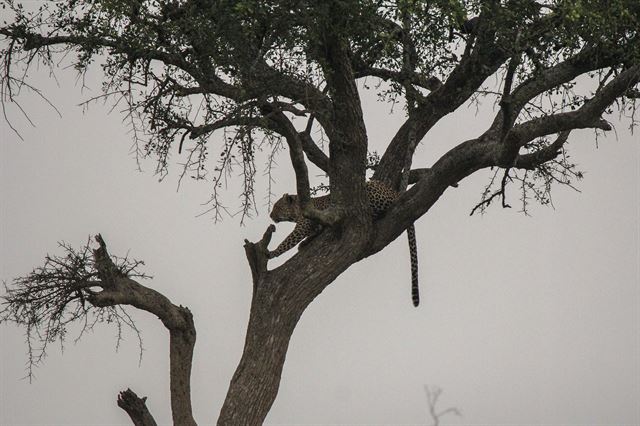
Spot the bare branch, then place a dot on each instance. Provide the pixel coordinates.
(257, 255)
(433, 395)
(35, 41)
(136, 408)
(488, 199)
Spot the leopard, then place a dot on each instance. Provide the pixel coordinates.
(381, 197)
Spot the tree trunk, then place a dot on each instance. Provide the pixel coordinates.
(181, 343)
(255, 383)
(280, 297)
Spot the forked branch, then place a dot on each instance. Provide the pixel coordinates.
(433, 396)
(257, 255)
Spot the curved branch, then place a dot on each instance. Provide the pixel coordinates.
(313, 151)
(587, 116)
(475, 66)
(534, 159)
(588, 59)
(121, 290)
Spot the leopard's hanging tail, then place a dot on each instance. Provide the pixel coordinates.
(413, 254)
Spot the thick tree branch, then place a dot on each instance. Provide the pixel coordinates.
(588, 59)
(313, 152)
(257, 255)
(348, 135)
(506, 104)
(416, 174)
(271, 82)
(452, 167)
(136, 408)
(118, 289)
(121, 290)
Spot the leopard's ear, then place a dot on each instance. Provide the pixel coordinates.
(290, 198)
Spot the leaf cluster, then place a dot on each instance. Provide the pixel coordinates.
(184, 69)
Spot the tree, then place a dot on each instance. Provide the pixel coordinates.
(187, 69)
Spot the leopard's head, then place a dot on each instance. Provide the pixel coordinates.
(286, 209)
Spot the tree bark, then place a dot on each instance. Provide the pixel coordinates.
(255, 383)
(136, 408)
(181, 344)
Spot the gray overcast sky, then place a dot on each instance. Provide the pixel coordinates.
(523, 320)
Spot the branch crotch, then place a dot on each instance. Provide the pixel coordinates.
(258, 255)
